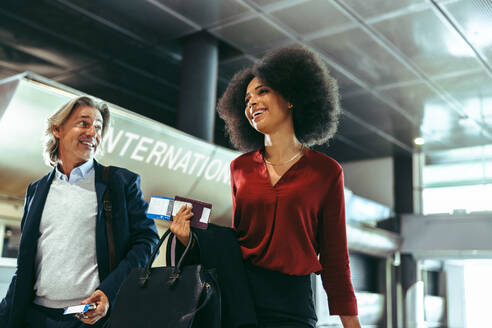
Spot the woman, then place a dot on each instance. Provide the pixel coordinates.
(288, 201)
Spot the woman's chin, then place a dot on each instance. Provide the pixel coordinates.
(260, 128)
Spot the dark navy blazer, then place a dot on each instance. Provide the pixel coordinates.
(135, 236)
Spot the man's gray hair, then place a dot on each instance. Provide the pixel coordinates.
(51, 143)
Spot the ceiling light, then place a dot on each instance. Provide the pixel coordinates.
(419, 141)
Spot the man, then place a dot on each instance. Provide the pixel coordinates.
(63, 255)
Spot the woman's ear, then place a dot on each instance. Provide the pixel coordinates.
(289, 105)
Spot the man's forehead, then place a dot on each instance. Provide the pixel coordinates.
(97, 118)
(87, 112)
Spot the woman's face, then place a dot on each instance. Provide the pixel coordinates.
(266, 110)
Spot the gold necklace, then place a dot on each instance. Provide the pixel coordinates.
(288, 161)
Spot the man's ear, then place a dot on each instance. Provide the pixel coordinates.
(56, 131)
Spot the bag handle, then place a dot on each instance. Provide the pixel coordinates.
(209, 292)
(146, 273)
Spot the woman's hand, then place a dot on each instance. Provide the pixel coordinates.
(350, 321)
(181, 224)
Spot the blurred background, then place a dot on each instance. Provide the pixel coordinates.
(415, 137)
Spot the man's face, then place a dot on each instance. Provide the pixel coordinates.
(79, 136)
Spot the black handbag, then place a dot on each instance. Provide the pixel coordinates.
(170, 296)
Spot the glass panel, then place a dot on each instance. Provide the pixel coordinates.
(364, 210)
(11, 241)
(7, 270)
(468, 154)
(488, 170)
(463, 199)
(452, 173)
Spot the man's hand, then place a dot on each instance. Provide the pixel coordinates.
(181, 224)
(102, 302)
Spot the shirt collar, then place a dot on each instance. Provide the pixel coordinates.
(80, 172)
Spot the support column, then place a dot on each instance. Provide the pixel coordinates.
(389, 295)
(2, 237)
(403, 179)
(414, 292)
(418, 189)
(198, 86)
(398, 311)
(406, 286)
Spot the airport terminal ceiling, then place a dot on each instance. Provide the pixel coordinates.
(406, 68)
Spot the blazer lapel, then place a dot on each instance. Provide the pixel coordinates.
(30, 230)
(100, 188)
(101, 240)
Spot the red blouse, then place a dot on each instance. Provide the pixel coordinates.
(284, 227)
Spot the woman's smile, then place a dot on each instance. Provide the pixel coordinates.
(258, 114)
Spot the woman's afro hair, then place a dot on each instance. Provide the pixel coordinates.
(302, 79)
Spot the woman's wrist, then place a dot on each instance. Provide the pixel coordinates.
(350, 321)
(184, 239)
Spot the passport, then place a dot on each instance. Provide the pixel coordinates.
(201, 211)
(164, 208)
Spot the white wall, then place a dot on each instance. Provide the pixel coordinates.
(455, 290)
(371, 179)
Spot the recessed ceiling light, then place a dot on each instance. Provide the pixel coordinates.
(419, 141)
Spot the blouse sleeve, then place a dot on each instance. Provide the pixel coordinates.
(334, 257)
